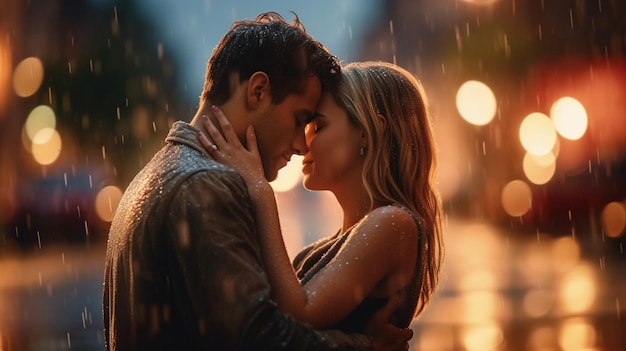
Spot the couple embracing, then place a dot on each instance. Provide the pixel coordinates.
(195, 255)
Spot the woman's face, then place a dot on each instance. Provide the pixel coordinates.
(334, 143)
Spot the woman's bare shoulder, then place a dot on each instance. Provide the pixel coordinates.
(390, 220)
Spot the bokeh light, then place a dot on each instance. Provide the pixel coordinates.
(577, 290)
(476, 102)
(614, 219)
(27, 76)
(482, 337)
(537, 134)
(569, 117)
(40, 118)
(516, 198)
(480, 306)
(539, 169)
(289, 176)
(538, 302)
(577, 334)
(46, 146)
(106, 202)
(565, 253)
(535, 261)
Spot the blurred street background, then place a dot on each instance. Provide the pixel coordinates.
(528, 100)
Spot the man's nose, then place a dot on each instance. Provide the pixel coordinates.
(299, 144)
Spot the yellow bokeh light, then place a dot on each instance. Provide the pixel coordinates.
(577, 291)
(539, 169)
(577, 334)
(289, 176)
(106, 203)
(27, 76)
(537, 134)
(614, 219)
(516, 198)
(46, 146)
(482, 337)
(569, 117)
(41, 117)
(565, 254)
(476, 102)
(43, 135)
(480, 306)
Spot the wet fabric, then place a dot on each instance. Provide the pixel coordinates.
(313, 258)
(183, 266)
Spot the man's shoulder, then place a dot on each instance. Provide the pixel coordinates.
(181, 161)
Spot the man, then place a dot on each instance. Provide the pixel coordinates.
(183, 266)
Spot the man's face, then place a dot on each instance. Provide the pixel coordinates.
(280, 127)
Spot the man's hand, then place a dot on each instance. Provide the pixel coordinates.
(386, 336)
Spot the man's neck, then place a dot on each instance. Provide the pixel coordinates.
(204, 109)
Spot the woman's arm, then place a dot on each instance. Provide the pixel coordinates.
(380, 253)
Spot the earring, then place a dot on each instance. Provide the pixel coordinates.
(362, 151)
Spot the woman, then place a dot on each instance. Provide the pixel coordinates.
(370, 144)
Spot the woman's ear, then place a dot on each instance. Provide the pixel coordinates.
(363, 141)
(258, 90)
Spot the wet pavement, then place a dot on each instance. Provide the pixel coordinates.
(497, 292)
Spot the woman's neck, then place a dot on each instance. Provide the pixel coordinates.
(355, 204)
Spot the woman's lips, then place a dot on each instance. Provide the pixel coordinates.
(306, 164)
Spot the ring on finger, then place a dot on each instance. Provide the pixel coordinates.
(214, 147)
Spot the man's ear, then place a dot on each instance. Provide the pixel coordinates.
(258, 91)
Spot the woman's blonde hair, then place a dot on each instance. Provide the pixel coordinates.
(388, 103)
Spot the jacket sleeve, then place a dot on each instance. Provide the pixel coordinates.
(220, 277)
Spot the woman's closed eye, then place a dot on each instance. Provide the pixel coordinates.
(316, 126)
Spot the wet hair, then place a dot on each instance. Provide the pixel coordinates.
(400, 162)
(285, 52)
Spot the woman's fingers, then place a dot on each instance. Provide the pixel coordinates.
(206, 143)
(225, 140)
(214, 134)
(227, 128)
